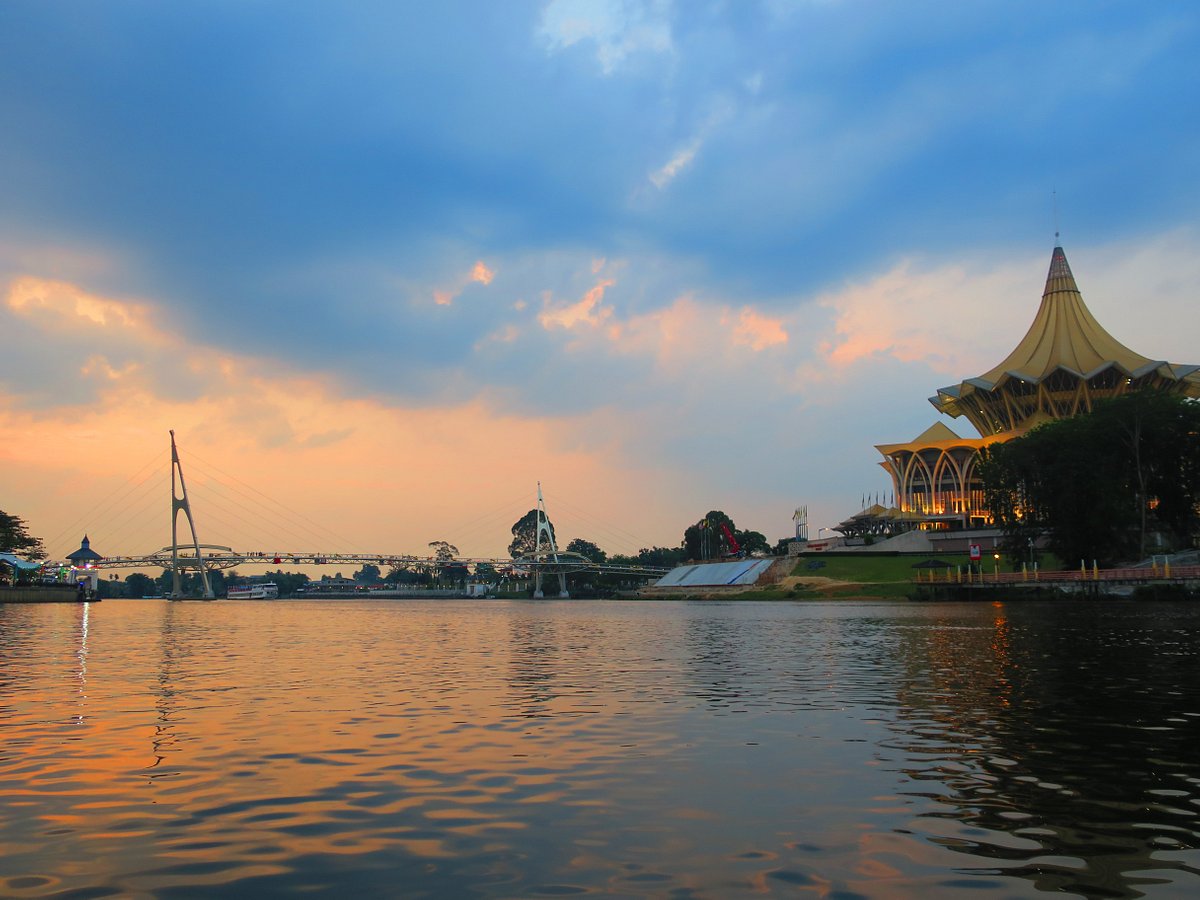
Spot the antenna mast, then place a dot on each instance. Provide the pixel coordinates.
(1054, 202)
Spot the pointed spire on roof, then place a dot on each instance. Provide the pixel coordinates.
(1064, 338)
(85, 553)
(1059, 278)
(1064, 334)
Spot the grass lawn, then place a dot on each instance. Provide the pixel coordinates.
(862, 568)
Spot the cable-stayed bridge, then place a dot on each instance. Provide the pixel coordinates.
(545, 559)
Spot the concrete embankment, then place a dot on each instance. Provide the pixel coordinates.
(39, 593)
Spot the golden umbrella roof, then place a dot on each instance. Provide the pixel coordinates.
(1064, 336)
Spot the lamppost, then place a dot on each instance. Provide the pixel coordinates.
(996, 565)
(821, 531)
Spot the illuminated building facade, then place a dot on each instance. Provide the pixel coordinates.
(1065, 363)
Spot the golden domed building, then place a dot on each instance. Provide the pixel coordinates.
(1064, 364)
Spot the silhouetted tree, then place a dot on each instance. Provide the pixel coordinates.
(16, 539)
(139, 585)
(706, 539)
(665, 557)
(524, 532)
(443, 551)
(588, 549)
(368, 574)
(1096, 484)
(753, 542)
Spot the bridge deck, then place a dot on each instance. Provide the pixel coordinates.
(223, 558)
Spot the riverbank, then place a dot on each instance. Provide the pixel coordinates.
(809, 578)
(39, 593)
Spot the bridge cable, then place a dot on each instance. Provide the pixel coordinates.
(118, 493)
(318, 530)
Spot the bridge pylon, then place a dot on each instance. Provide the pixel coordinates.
(181, 503)
(543, 527)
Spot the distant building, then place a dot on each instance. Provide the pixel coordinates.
(85, 557)
(1064, 364)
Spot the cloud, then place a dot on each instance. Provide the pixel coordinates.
(618, 28)
(806, 222)
(722, 110)
(960, 319)
(757, 331)
(660, 178)
(479, 274)
(586, 312)
(59, 304)
(348, 459)
(928, 315)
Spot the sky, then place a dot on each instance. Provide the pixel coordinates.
(384, 267)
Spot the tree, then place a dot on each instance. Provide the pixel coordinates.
(1095, 485)
(453, 572)
(662, 557)
(16, 539)
(443, 551)
(524, 532)
(447, 569)
(753, 542)
(368, 574)
(139, 585)
(405, 575)
(588, 549)
(706, 539)
(287, 582)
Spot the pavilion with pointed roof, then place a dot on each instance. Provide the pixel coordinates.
(85, 556)
(1064, 364)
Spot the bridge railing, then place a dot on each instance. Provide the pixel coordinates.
(223, 558)
(1125, 575)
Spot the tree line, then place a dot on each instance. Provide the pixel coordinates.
(708, 538)
(1111, 486)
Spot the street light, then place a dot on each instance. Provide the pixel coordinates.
(819, 531)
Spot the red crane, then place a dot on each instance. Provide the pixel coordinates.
(735, 549)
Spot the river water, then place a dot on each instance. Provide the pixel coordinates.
(496, 749)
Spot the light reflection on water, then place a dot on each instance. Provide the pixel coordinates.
(614, 749)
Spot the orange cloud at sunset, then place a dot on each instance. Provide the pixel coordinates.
(757, 331)
(930, 316)
(389, 478)
(482, 273)
(587, 311)
(62, 305)
(479, 274)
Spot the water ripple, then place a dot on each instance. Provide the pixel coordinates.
(703, 750)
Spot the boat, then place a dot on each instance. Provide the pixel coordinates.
(265, 591)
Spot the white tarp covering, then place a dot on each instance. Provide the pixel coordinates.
(742, 571)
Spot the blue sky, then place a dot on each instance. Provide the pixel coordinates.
(667, 257)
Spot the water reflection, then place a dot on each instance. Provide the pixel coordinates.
(613, 749)
(1060, 744)
(533, 650)
(165, 740)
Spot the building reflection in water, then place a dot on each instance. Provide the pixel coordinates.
(1059, 742)
(81, 654)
